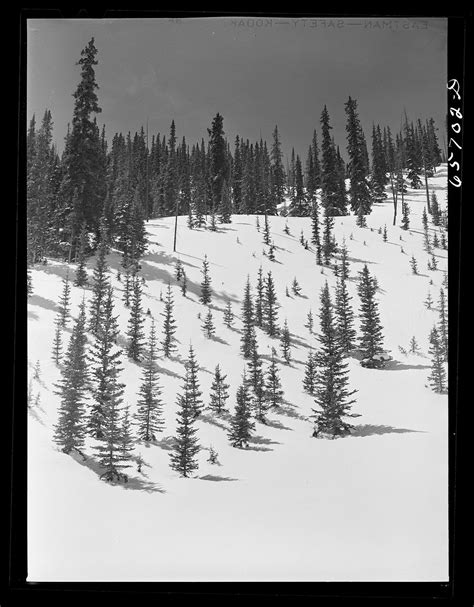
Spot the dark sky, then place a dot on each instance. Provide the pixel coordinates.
(256, 74)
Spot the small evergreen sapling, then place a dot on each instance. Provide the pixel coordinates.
(192, 387)
(219, 392)
(443, 325)
(65, 302)
(213, 455)
(413, 265)
(228, 315)
(242, 426)
(70, 429)
(295, 287)
(169, 325)
(206, 293)
(310, 322)
(149, 415)
(285, 343)
(437, 377)
(270, 307)
(184, 455)
(371, 339)
(248, 321)
(135, 324)
(208, 325)
(384, 233)
(332, 396)
(309, 380)
(179, 269)
(428, 301)
(57, 342)
(184, 285)
(414, 349)
(273, 389)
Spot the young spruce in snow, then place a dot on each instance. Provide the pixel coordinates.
(149, 415)
(332, 395)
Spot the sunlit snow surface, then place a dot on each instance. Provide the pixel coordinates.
(369, 507)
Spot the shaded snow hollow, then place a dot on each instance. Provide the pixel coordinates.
(369, 507)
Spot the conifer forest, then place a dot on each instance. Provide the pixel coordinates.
(237, 350)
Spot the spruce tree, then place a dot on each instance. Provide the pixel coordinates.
(225, 206)
(70, 430)
(57, 341)
(270, 307)
(99, 282)
(359, 190)
(169, 325)
(259, 299)
(435, 210)
(437, 377)
(219, 392)
(248, 322)
(184, 285)
(327, 244)
(256, 381)
(179, 271)
(273, 388)
(309, 380)
(315, 235)
(344, 317)
(405, 216)
(206, 292)
(107, 391)
(208, 325)
(371, 339)
(183, 457)
(65, 302)
(310, 322)
(428, 301)
(285, 343)
(266, 231)
(344, 273)
(331, 390)
(443, 324)
(149, 415)
(241, 425)
(135, 323)
(228, 315)
(295, 287)
(83, 168)
(81, 278)
(192, 387)
(414, 265)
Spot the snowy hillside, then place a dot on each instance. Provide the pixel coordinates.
(372, 506)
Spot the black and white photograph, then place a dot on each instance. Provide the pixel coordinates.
(237, 298)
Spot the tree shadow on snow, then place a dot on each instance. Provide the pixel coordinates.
(257, 441)
(214, 420)
(32, 315)
(216, 478)
(289, 410)
(274, 423)
(47, 304)
(167, 443)
(372, 429)
(133, 483)
(395, 365)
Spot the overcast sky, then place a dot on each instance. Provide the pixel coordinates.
(255, 73)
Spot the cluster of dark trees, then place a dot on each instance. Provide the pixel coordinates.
(134, 178)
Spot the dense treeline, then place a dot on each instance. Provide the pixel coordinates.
(137, 177)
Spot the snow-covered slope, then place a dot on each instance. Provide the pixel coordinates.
(371, 506)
